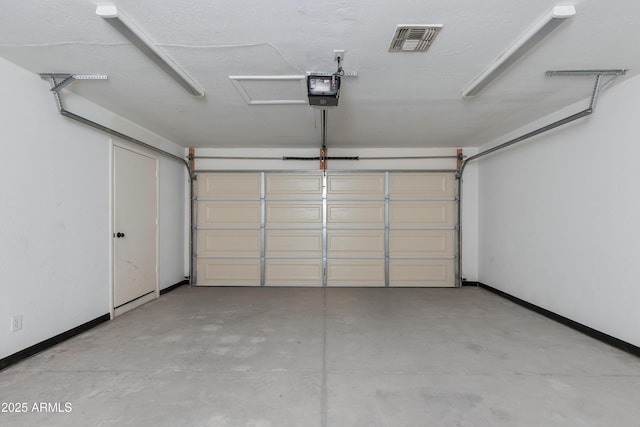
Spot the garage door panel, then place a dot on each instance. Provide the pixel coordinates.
(300, 186)
(437, 214)
(355, 243)
(355, 214)
(228, 213)
(228, 242)
(422, 272)
(229, 185)
(228, 272)
(421, 185)
(355, 185)
(293, 272)
(301, 243)
(355, 272)
(294, 214)
(284, 229)
(423, 243)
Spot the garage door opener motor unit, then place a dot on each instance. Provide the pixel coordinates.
(323, 89)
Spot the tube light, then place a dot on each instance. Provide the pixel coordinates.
(135, 35)
(535, 35)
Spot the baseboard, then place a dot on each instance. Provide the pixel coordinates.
(174, 287)
(593, 333)
(133, 304)
(470, 283)
(41, 346)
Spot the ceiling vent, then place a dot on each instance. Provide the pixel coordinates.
(414, 38)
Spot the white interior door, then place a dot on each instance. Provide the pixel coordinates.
(135, 203)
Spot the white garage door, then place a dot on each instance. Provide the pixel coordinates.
(339, 229)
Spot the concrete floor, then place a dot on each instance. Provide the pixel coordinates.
(328, 357)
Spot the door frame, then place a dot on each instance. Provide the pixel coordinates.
(113, 143)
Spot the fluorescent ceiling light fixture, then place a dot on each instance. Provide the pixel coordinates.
(135, 35)
(535, 35)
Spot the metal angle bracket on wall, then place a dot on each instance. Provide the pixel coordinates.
(614, 74)
(327, 74)
(67, 79)
(570, 73)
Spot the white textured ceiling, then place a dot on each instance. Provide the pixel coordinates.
(397, 100)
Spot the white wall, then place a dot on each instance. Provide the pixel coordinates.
(174, 240)
(469, 216)
(54, 211)
(558, 216)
